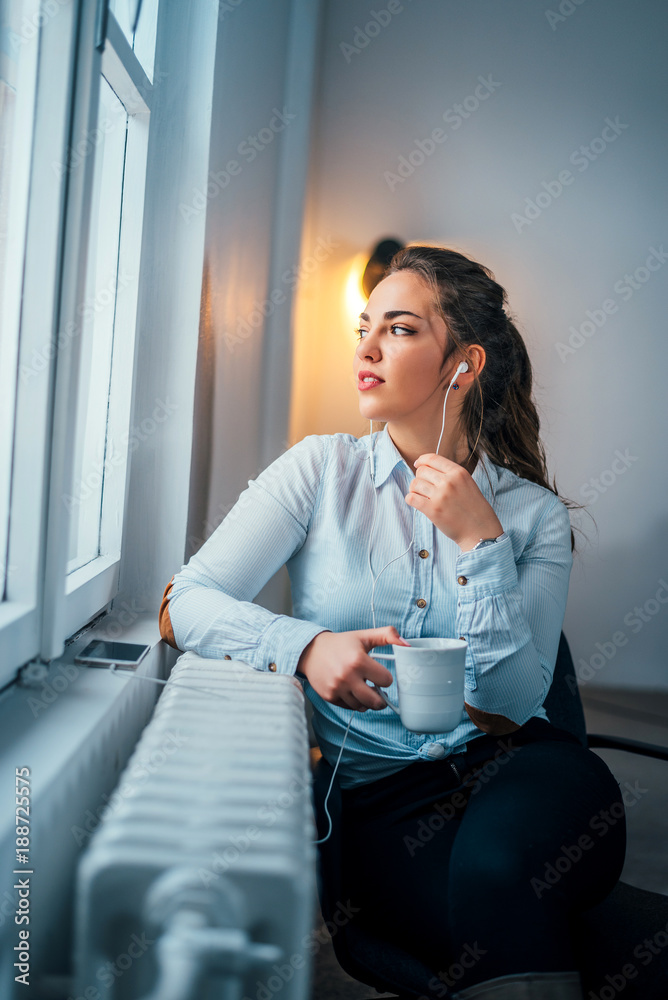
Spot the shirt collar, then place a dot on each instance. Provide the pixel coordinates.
(387, 457)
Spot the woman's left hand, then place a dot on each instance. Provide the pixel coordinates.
(449, 496)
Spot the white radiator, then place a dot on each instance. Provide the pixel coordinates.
(200, 881)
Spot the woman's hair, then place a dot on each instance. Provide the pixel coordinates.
(498, 415)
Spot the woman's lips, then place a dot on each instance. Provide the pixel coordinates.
(369, 385)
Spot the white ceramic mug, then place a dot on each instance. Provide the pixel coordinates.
(430, 682)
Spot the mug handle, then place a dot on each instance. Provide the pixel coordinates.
(390, 704)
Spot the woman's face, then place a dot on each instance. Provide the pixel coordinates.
(403, 341)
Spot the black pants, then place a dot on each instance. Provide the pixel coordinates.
(476, 868)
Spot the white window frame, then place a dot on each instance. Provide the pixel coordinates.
(94, 585)
(43, 606)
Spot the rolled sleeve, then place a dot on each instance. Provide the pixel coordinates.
(511, 613)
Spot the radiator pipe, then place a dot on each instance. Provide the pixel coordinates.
(180, 971)
(201, 935)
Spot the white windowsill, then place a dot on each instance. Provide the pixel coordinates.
(75, 741)
(62, 724)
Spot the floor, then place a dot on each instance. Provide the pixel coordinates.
(636, 715)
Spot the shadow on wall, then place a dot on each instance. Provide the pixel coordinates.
(203, 417)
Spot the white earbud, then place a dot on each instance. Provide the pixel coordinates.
(461, 367)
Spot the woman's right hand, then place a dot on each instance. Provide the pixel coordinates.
(337, 666)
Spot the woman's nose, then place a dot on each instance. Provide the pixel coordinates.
(367, 349)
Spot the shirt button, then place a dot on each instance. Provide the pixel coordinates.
(421, 603)
(423, 554)
(434, 750)
(272, 666)
(227, 657)
(462, 580)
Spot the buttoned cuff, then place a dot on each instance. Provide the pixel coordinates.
(284, 641)
(486, 571)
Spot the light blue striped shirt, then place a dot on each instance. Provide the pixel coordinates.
(312, 510)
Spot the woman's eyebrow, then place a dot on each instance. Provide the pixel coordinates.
(392, 314)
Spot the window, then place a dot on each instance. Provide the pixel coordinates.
(97, 336)
(143, 39)
(73, 140)
(18, 75)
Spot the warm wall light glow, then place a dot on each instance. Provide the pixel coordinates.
(355, 297)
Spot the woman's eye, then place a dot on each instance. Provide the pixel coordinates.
(395, 326)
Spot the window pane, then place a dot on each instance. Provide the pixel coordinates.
(97, 333)
(145, 38)
(124, 12)
(18, 74)
(143, 41)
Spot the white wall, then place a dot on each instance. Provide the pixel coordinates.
(554, 85)
(258, 163)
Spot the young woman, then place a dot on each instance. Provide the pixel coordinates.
(472, 848)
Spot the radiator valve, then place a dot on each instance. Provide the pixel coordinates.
(202, 931)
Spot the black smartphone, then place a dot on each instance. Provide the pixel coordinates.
(102, 652)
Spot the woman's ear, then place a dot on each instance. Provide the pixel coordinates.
(476, 357)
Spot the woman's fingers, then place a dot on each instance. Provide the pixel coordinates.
(426, 474)
(361, 699)
(421, 489)
(348, 700)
